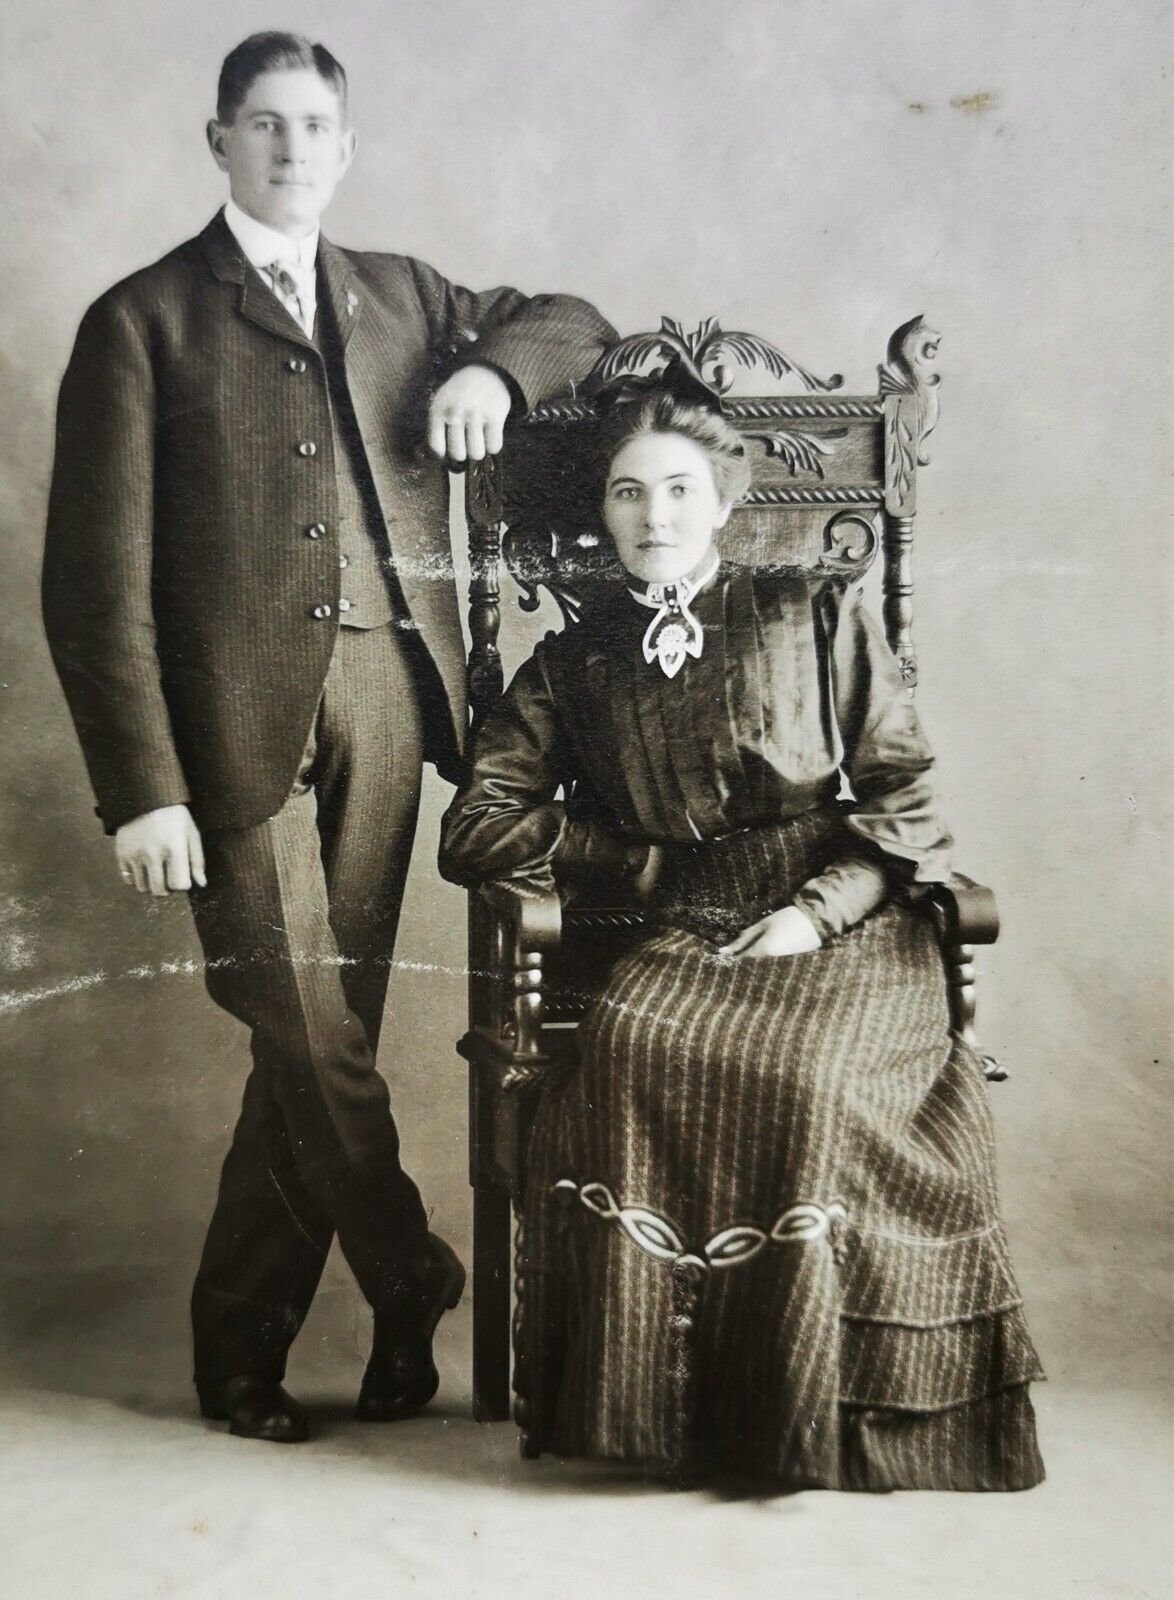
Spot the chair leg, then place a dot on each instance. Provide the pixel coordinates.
(491, 1302)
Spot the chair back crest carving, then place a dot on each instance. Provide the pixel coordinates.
(833, 480)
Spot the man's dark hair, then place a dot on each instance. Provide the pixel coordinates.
(273, 52)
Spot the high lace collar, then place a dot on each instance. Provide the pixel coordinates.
(686, 589)
(674, 632)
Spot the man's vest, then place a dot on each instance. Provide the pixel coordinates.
(369, 594)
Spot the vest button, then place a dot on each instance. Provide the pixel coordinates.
(296, 364)
(344, 561)
(320, 613)
(344, 605)
(307, 448)
(316, 530)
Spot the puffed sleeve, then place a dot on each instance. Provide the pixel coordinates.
(894, 810)
(504, 821)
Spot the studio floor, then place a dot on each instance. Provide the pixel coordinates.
(111, 1488)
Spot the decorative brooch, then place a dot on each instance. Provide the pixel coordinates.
(674, 631)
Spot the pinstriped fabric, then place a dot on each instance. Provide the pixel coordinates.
(722, 1115)
(989, 1444)
(195, 449)
(366, 597)
(297, 925)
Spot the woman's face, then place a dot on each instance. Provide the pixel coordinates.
(662, 507)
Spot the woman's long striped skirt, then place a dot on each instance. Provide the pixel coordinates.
(760, 1226)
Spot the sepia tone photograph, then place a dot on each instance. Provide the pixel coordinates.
(586, 891)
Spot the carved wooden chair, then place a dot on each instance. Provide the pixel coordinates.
(834, 483)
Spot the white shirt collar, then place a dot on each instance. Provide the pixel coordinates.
(263, 245)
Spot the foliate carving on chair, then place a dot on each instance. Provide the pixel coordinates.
(799, 452)
(850, 543)
(540, 558)
(701, 354)
(909, 382)
(483, 497)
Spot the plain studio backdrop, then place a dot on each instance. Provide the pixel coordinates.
(816, 173)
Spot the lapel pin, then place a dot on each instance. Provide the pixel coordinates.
(352, 301)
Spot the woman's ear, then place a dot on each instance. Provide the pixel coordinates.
(723, 514)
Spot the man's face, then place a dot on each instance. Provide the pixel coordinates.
(285, 150)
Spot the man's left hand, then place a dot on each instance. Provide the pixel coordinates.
(467, 416)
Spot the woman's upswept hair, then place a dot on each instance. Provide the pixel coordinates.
(273, 52)
(664, 413)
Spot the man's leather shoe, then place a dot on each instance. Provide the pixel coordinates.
(401, 1376)
(398, 1384)
(256, 1408)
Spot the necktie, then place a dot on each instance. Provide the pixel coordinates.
(289, 291)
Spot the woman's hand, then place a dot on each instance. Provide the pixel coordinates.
(788, 932)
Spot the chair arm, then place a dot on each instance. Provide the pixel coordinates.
(534, 913)
(964, 911)
(529, 921)
(965, 914)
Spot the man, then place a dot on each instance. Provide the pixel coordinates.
(249, 599)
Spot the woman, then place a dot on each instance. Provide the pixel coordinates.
(760, 1221)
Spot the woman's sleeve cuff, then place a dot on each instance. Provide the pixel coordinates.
(842, 896)
(586, 847)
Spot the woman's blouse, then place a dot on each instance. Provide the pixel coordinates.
(795, 686)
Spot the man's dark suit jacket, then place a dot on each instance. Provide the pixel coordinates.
(192, 530)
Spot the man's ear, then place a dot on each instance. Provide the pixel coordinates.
(350, 142)
(214, 133)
